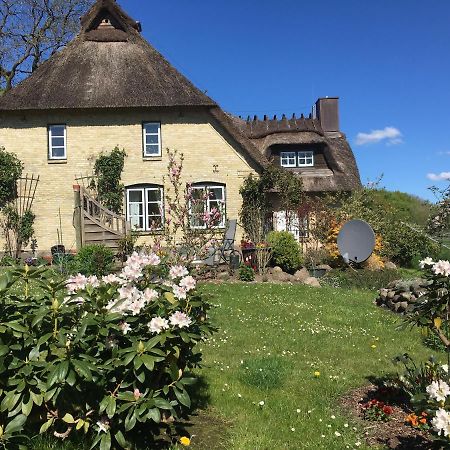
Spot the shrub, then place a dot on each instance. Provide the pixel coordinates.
(246, 273)
(360, 279)
(95, 260)
(107, 359)
(285, 250)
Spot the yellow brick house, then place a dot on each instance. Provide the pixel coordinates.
(109, 87)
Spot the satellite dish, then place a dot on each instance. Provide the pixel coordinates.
(356, 241)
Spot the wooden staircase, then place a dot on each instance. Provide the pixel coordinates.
(95, 224)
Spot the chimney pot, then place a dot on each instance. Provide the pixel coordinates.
(327, 111)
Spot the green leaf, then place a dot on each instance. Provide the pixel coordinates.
(68, 418)
(154, 414)
(188, 381)
(170, 297)
(53, 376)
(4, 350)
(105, 443)
(130, 420)
(162, 403)
(111, 408)
(16, 424)
(183, 397)
(45, 426)
(121, 439)
(149, 361)
(16, 327)
(83, 369)
(37, 398)
(27, 407)
(62, 371)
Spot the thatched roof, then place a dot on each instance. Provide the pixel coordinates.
(342, 173)
(108, 65)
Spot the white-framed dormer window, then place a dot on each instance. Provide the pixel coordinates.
(288, 159)
(151, 133)
(145, 207)
(57, 142)
(306, 159)
(208, 201)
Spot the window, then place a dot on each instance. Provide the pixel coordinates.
(57, 142)
(152, 139)
(145, 207)
(305, 159)
(208, 201)
(288, 159)
(290, 221)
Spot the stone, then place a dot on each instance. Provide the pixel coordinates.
(301, 275)
(277, 269)
(324, 267)
(384, 293)
(311, 281)
(406, 296)
(390, 265)
(391, 294)
(224, 276)
(403, 306)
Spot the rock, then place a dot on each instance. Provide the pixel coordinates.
(324, 267)
(301, 275)
(384, 293)
(406, 296)
(224, 276)
(277, 269)
(403, 306)
(311, 281)
(391, 294)
(390, 265)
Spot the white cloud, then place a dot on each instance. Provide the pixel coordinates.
(438, 176)
(444, 153)
(391, 135)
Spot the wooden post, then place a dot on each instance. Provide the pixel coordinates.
(77, 216)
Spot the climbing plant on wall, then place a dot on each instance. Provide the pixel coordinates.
(108, 170)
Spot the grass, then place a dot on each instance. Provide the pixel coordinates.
(272, 340)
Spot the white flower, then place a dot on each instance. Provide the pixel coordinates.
(444, 367)
(442, 268)
(336, 433)
(188, 283)
(149, 295)
(441, 423)
(180, 319)
(125, 327)
(103, 425)
(178, 272)
(110, 279)
(93, 281)
(179, 292)
(76, 283)
(158, 324)
(439, 390)
(261, 403)
(426, 262)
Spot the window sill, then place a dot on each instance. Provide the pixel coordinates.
(57, 161)
(152, 158)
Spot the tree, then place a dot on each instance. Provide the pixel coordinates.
(33, 30)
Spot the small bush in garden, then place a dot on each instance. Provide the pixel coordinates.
(377, 411)
(246, 273)
(95, 260)
(285, 250)
(106, 358)
(361, 278)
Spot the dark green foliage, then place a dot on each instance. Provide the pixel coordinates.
(361, 278)
(94, 260)
(263, 373)
(22, 226)
(246, 273)
(285, 251)
(10, 172)
(108, 170)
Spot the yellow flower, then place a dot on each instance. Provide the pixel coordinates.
(373, 346)
(185, 441)
(317, 373)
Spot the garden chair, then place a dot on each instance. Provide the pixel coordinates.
(225, 252)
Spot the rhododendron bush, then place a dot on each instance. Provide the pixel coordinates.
(107, 357)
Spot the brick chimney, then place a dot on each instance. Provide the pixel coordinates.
(327, 111)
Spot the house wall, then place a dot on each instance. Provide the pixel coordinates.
(194, 133)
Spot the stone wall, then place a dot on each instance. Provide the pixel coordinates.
(401, 295)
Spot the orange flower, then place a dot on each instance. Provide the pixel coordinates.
(423, 420)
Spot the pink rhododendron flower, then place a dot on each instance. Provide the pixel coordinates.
(110, 279)
(125, 327)
(93, 281)
(442, 268)
(137, 394)
(179, 292)
(76, 283)
(188, 283)
(150, 294)
(158, 324)
(178, 272)
(180, 319)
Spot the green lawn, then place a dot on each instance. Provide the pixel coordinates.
(272, 340)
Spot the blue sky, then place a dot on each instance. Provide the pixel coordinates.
(388, 61)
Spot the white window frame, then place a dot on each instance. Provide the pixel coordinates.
(307, 155)
(144, 189)
(51, 147)
(144, 139)
(288, 156)
(207, 204)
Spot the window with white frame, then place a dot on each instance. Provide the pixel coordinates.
(145, 207)
(305, 159)
(207, 205)
(57, 142)
(151, 133)
(288, 159)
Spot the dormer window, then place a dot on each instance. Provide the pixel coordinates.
(297, 159)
